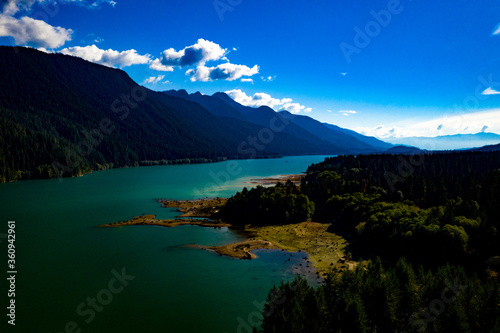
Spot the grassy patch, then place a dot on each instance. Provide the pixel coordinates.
(325, 249)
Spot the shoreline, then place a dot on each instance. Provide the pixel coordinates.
(240, 250)
(272, 180)
(325, 250)
(145, 165)
(169, 223)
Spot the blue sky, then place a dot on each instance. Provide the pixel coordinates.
(385, 68)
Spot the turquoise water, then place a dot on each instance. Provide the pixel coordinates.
(64, 260)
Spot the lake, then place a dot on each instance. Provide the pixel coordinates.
(75, 276)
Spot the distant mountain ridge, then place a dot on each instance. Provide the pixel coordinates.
(301, 126)
(449, 142)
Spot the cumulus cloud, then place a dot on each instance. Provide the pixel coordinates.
(12, 7)
(110, 58)
(294, 108)
(158, 66)
(347, 112)
(35, 32)
(154, 79)
(194, 55)
(490, 91)
(197, 55)
(257, 100)
(261, 99)
(227, 71)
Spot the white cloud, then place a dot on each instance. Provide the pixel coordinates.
(12, 7)
(383, 132)
(294, 108)
(347, 112)
(490, 91)
(35, 32)
(496, 31)
(110, 58)
(154, 79)
(194, 55)
(197, 55)
(268, 79)
(450, 124)
(227, 71)
(158, 66)
(260, 99)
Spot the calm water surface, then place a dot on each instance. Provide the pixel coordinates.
(65, 263)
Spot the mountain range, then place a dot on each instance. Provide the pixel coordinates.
(64, 116)
(448, 142)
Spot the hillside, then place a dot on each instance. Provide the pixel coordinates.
(63, 116)
(302, 127)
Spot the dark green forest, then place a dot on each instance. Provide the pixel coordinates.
(280, 204)
(373, 298)
(62, 116)
(440, 212)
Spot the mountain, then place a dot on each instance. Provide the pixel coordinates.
(61, 115)
(332, 134)
(363, 138)
(449, 142)
(405, 150)
(301, 126)
(262, 116)
(487, 148)
(64, 116)
(215, 106)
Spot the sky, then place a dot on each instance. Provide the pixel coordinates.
(388, 68)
